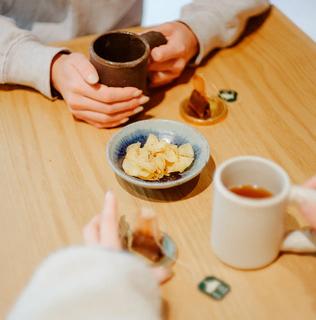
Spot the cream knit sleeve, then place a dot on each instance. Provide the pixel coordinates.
(23, 59)
(219, 23)
(90, 283)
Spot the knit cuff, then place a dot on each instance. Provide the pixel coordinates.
(28, 62)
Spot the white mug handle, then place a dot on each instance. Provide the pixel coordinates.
(300, 195)
(304, 240)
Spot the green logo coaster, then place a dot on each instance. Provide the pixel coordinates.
(228, 95)
(214, 287)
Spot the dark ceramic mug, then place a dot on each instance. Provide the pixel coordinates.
(121, 57)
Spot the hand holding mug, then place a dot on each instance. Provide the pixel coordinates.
(121, 57)
(76, 79)
(169, 60)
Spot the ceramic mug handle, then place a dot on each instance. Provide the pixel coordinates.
(304, 240)
(154, 38)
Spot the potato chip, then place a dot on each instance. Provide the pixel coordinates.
(160, 163)
(186, 150)
(180, 165)
(133, 150)
(156, 159)
(170, 155)
(130, 167)
(151, 141)
(132, 147)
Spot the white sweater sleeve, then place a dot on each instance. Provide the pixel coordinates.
(219, 23)
(23, 59)
(82, 283)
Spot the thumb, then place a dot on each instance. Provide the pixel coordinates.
(109, 231)
(85, 68)
(156, 54)
(165, 52)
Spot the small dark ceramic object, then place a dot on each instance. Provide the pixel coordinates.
(121, 57)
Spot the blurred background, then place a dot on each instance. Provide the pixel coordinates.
(301, 12)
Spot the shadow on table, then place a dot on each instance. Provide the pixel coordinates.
(164, 310)
(252, 26)
(11, 87)
(186, 191)
(158, 94)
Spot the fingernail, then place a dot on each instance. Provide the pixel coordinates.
(92, 78)
(109, 197)
(143, 100)
(138, 110)
(109, 194)
(137, 93)
(124, 120)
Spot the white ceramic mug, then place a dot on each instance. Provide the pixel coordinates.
(249, 233)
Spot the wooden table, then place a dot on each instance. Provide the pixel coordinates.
(54, 173)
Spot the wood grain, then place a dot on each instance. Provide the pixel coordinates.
(54, 173)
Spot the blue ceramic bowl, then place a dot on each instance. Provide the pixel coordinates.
(171, 131)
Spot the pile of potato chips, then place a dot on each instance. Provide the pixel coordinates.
(156, 159)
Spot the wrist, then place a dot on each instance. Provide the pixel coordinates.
(56, 61)
(191, 38)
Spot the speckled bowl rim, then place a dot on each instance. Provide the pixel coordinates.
(162, 184)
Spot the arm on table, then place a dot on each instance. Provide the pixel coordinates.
(203, 26)
(218, 24)
(23, 59)
(90, 283)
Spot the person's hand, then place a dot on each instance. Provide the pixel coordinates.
(309, 210)
(169, 60)
(76, 79)
(103, 230)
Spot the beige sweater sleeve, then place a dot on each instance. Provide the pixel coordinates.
(82, 283)
(23, 59)
(219, 23)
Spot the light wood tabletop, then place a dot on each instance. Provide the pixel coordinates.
(54, 173)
